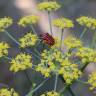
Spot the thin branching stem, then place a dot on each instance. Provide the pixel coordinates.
(56, 81)
(36, 88)
(83, 33)
(71, 92)
(84, 66)
(8, 58)
(35, 50)
(61, 39)
(82, 82)
(50, 23)
(93, 40)
(33, 30)
(63, 90)
(10, 36)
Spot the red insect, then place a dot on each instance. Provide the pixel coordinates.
(48, 39)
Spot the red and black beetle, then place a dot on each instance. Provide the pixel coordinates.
(47, 38)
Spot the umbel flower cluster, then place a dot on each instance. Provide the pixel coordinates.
(8, 92)
(52, 60)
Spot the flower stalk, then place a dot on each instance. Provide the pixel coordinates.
(50, 24)
(83, 33)
(93, 40)
(61, 39)
(56, 81)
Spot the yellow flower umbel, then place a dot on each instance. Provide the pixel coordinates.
(50, 62)
(3, 49)
(8, 92)
(28, 40)
(54, 62)
(5, 23)
(92, 80)
(88, 22)
(69, 71)
(51, 93)
(27, 20)
(48, 6)
(72, 42)
(87, 55)
(21, 62)
(63, 23)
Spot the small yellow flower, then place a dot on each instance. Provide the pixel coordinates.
(27, 20)
(28, 40)
(72, 42)
(49, 6)
(92, 80)
(69, 71)
(63, 23)
(8, 92)
(50, 93)
(86, 54)
(50, 62)
(3, 49)
(21, 62)
(5, 23)
(88, 22)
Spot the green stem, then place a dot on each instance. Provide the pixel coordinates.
(93, 40)
(8, 58)
(33, 30)
(7, 33)
(56, 80)
(61, 39)
(35, 89)
(35, 50)
(38, 43)
(82, 82)
(71, 92)
(83, 67)
(63, 90)
(82, 34)
(50, 25)
(32, 53)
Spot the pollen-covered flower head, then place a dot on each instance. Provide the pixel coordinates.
(49, 6)
(28, 40)
(28, 20)
(50, 93)
(88, 22)
(63, 23)
(21, 62)
(5, 23)
(3, 49)
(72, 42)
(50, 61)
(55, 62)
(86, 54)
(92, 80)
(8, 92)
(69, 71)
